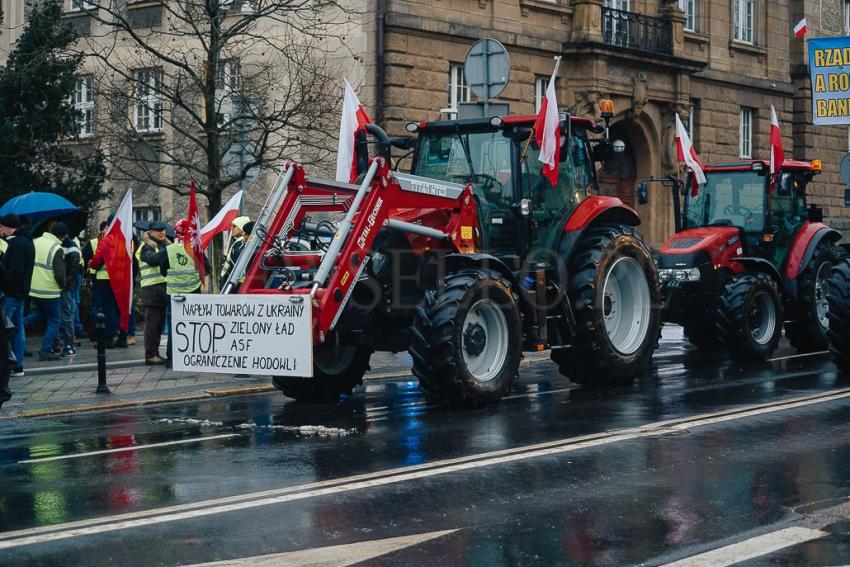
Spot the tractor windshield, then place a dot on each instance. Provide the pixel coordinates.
(729, 198)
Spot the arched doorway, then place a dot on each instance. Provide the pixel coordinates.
(618, 175)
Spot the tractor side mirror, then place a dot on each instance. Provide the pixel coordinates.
(786, 184)
(643, 193)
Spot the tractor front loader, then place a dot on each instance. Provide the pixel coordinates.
(467, 262)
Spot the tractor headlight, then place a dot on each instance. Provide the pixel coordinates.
(680, 275)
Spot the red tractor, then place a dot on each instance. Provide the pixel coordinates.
(748, 257)
(466, 262)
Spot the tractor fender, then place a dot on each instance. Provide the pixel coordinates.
(802, 250)
(484, 261)
(760, 265)
(593, 211)
(804, 246)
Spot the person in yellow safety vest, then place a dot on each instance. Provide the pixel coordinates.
(100, 288)
(48, 281)
(153, 289)
(237, 241)
(178, 268)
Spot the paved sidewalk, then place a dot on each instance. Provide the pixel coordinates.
(68, 386)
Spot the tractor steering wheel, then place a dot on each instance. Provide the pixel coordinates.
(740, 211)
(488, 183)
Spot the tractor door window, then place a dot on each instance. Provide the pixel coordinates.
(734, 198)
(551, 204)
(787, 214)
(483, 159)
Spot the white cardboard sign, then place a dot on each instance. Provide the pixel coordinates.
(242, 334)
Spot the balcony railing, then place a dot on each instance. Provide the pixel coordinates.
(637, 31)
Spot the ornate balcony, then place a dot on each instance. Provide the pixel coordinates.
(637, 31)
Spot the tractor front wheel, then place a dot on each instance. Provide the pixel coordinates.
(614, 291)
(808, 331)
(749, 317)
(839, 315)
(337, 369)
(465, 339)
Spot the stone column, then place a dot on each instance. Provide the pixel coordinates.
(676, 16)
(587, 21)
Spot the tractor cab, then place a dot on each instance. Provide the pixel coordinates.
(519, 210)
(739, 195)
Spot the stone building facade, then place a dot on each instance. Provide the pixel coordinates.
(719, 63)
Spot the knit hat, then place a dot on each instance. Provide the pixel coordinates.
(239, 222)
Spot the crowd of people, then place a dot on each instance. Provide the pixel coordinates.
(41, 278)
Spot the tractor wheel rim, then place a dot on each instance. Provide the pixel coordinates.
(821, 296)
(485, 363)
(762, 318)
(626, 305)
(334, 361)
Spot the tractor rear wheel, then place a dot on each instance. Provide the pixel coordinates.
(336, 371)
(466, 339)
(749, 316)
(839, 315)
(614, 291)
(808, 332)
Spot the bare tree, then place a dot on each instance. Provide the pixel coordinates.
(214, 90)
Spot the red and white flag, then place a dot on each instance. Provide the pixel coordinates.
(687, 154)
(777, 153)
(547, 130)
(222, 220)
(117, 252)
(192, 240)
(354, 119)
(800, 29)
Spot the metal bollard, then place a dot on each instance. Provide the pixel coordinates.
(100, 328)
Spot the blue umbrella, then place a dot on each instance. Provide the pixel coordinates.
(37, 205)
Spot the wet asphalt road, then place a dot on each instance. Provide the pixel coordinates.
(553, 475)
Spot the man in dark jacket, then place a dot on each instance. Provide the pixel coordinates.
(152, 283)
(73, 268)
(18, 262)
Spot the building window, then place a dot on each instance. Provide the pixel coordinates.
(79, 5)
(458, 89)
(227, 85)
(742, 18)
(147, 104)
(83, 101)
(540, 84)
(145, 215)
(689, 7)
(746, 133)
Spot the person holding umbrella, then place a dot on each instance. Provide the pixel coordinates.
(18, 262)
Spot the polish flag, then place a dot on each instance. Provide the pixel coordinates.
(221, 222)
(801, 28)
(192, 241)
(116, 249)
(687, 154)
(547, 130)
(777, 153)
(354, 119)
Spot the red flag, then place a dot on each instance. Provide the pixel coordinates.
(221, 222)
(777, 153)
(116, 248)
(547, 130)
(354, 119)
(192, 240)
